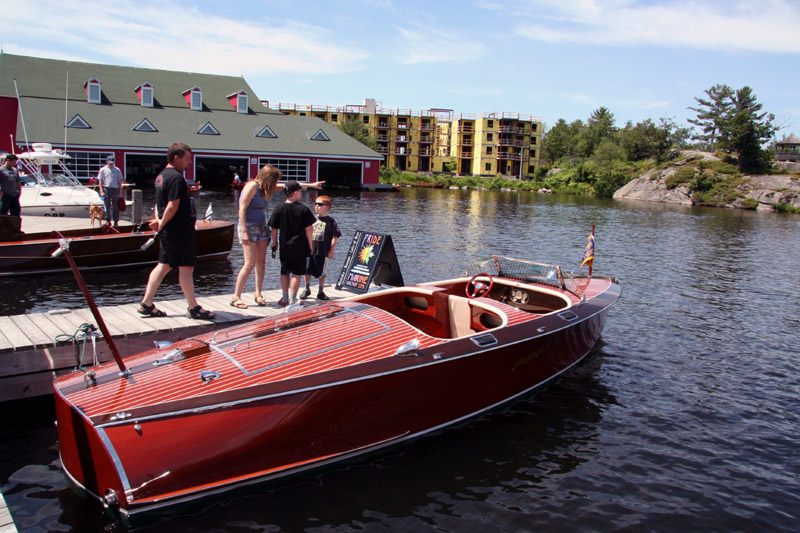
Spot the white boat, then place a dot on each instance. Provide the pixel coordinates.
(49, 188)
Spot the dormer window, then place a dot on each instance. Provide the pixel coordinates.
(194, 97)
(145, 94)
(94, 90)
(239, 101)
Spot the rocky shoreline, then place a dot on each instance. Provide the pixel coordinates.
(765, 189)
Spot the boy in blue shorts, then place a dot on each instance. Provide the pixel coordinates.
(325, 234)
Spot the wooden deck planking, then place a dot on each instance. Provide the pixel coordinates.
(5, 343)
(32, 331)
(43, 322)
(6, 522)
(13, 333)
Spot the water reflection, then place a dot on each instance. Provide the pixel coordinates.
(686, 416)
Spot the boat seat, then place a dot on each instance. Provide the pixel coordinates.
(460, 317)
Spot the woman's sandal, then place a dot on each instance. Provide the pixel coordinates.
(238, 303)
(260, 300)
(150, 310)
(199, 313)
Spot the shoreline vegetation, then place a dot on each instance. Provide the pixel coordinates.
(727, 165)
(687, 177)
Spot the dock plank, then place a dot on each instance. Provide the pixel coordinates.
(31, 357)
(5, 344)
(32, 331)
(6, 522)
(44, 323)
(15, 335)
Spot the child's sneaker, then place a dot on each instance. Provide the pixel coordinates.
(282, 302)
(306, 294)
(321, 296)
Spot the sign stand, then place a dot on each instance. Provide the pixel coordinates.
(371, 258)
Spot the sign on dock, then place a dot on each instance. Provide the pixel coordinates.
(371, 258)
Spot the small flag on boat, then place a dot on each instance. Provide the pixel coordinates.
(588, 253)
(209, 212)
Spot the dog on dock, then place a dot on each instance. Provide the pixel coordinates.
(97, 212)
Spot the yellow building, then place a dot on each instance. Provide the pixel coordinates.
(485, 144)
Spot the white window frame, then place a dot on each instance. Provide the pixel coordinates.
(292, 169)
(86, 165)
(94, 93)
(196, 105)
(147, 96)
(241, 103)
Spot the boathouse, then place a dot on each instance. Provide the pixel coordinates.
(92, 111)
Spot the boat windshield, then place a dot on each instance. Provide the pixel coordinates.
(57, 176)
(527, 271)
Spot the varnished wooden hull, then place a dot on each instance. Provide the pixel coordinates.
(92, 249)
(167, 442)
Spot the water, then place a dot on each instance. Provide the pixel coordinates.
(684, 418)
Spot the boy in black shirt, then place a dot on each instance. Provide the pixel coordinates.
(295, 222)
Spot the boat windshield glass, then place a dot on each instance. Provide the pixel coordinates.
(518, 269)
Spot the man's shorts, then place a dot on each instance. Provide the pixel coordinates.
(296, 266)
(255, 232)
(317, 266)
(177, 248)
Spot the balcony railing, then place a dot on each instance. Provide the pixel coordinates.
(512, 142)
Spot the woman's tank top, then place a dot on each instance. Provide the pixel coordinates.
(257, 210)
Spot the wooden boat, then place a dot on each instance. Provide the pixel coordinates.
(49, 188)
(98, 248)
(322, 383)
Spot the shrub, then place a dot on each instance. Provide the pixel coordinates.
(783, 207)
(724, 167)
(681, 176)
(750, 203)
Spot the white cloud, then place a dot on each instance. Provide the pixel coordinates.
(433, 45)
(769, 26)
(168, 36)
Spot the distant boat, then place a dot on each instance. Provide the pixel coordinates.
(49, 188)
(98, 248)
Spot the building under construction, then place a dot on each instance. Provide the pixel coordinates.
(435, 140)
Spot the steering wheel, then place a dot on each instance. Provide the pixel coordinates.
(478, 288)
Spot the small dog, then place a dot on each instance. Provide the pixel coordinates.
(97, 212)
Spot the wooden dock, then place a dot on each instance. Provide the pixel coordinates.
(6, 523)
(30, 357)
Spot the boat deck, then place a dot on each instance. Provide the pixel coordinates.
(314, 340)
(30, 356)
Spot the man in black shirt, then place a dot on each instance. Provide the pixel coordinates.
(176, 216)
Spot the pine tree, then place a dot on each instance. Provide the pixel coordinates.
(711, 114)
(746, 129)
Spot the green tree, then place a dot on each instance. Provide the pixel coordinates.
(647, 139)
(712, 113)
(746, 129)
(356, 129)
(599, 127)
(561, 140)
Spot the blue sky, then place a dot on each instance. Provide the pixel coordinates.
(640, 59)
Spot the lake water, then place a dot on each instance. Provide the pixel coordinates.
(685, 418)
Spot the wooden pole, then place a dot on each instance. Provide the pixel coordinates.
(592, 261)
(64, 249)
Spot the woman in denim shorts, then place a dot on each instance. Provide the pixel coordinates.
(254, 235)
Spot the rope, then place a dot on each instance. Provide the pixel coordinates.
(82, 335)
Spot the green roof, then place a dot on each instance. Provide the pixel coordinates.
(41, 84)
